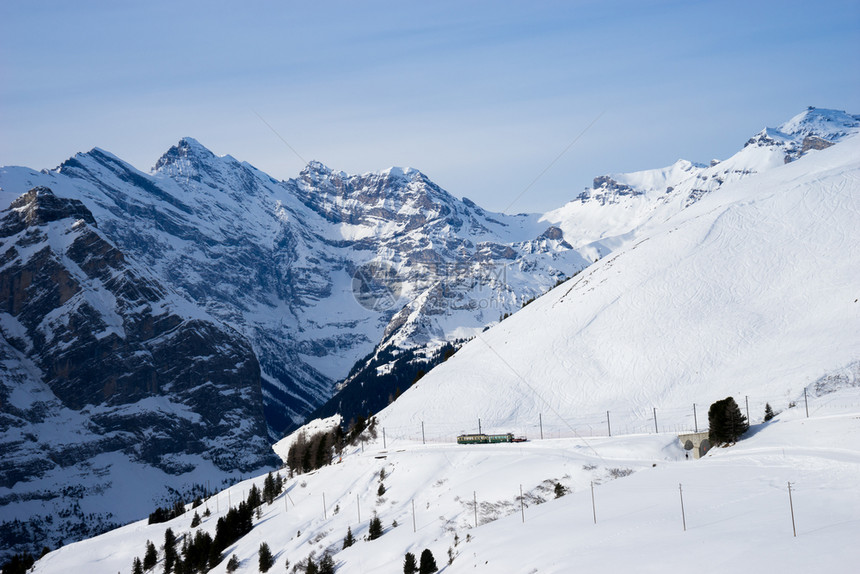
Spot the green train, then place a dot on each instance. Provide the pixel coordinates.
(488, 438)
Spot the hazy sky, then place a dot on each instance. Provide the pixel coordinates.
(480, 96)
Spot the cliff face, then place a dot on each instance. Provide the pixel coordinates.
(102, 366)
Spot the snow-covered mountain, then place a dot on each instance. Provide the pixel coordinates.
(621, 207)
(278, 263)
(750, 291)
(112, 387)
(276, 260)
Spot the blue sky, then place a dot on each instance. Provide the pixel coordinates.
(481, 96)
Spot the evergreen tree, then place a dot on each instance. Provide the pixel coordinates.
(233, 564)
(349, 540)
(768, 412)
(137, 566)
(150, 559)
(195, 522)
(169, 550)
(326, 564)
(266, 559)
(374, 531)
(254, 499)
(725, 422)
(428, 563)
(409, 564)
(269, 489)
(559, 490)
(311, 568)
(381, 490)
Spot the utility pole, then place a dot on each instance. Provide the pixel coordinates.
(593, 507)
(806, 400)
(325, 515)
(423, 440)
(747, 399)
(358, 506)
(384, 444)
(791, 504)
(695, 420)
(540, 421)
(683, 515)
(475, 500)
(522, 504)
(414, 528)
(655, 421)
(608, 426)
(479, 426)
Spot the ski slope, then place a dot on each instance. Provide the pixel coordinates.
(736, 506)
(753, 291)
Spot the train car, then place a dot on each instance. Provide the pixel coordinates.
(488, 438)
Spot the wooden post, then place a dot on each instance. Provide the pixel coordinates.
(695, 420)
(522, 504)
(593, 507)
(791, 504)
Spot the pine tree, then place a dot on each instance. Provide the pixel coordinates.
(311, 568)
(195, 522)
(254, 499)
(381, 490)
(349, 540)
(169, 550)
(374, 531)
(559, 490)
(725, 422)
(150, 559)
(233, 564)
(266, 559)
(768, 412)
(409, 564)
(137, 567)
(326, 564)
(428, 563)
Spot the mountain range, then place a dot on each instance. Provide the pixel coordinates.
(155, 321)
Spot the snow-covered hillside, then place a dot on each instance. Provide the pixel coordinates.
(736, 507)
(752, 291)
(622, 207)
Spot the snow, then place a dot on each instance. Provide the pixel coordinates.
(735, 500)
(750, 291)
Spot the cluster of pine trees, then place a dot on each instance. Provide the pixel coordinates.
(200, 552)
(427, 563)
(309, 453)
(168, 513)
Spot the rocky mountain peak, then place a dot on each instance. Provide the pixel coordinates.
(184, 158)
(819, 122)
(40, 206)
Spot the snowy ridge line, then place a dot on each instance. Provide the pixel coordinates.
(621, 423)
